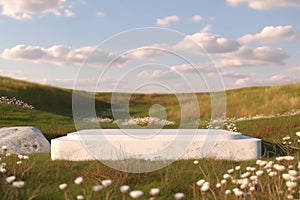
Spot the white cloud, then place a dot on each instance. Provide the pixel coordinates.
(68, 13)
(277, 79)
(192, 68)
(272, 34)
(183, 68)
(265, 4)
(15, 74)
(227, 52)
(164, 22)
(21, 10)
(233, 74)
(196, 18)
(293, 69)
(242, 81)
(100, 14)
(154, 74)
(147, 52)
(246, 56)
(62, 55)
(210, 42)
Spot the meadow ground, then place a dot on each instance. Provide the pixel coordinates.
(274, 176)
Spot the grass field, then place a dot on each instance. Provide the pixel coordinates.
(53, 116)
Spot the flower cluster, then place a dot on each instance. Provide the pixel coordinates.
(15, 101)
(261, 116)
(228, 124)
(98, 119)
(140, 121)
(279, 179)
(144, 121)
(291, 144)
(8, 174)
(106, 185)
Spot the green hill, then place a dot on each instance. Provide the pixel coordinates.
(53, 106)
(44, 98)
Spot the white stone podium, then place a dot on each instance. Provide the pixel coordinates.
(154, 144)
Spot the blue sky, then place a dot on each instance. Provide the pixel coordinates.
(192, 45)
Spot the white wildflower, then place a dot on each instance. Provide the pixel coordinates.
(272, 173)
(178, 196)
(10, 179)
(106, 183)
(245, 175)
(63, 186)
(136, 194)
(290, 184)
(226, 176)
(97, 188)
(286, 138)
(280, 158)
(253, 178)
(196, 162)
(227, 192)
(78, 180)
(258, 162)
(200, 182)
(18, 184)
(124, 188)
(286, 177)
(279, 167)
(289, 158)
(259, 172)
(205, 187)
(154, 191)
(293, 172)
(2, 170)
(25, 157)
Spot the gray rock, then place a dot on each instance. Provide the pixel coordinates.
(24, 140)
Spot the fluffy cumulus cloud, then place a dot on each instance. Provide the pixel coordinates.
(196, 18)
(246, 56)
(265, 4)
(212, 43)
(227, 52)
(147, 52)
(62, 55)
(21, 10)
(193, 68)
(272, 34)
(164, 22)
(155, 74)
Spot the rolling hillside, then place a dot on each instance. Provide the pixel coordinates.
(53, 106)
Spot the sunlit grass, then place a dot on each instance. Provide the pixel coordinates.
(53, 116)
